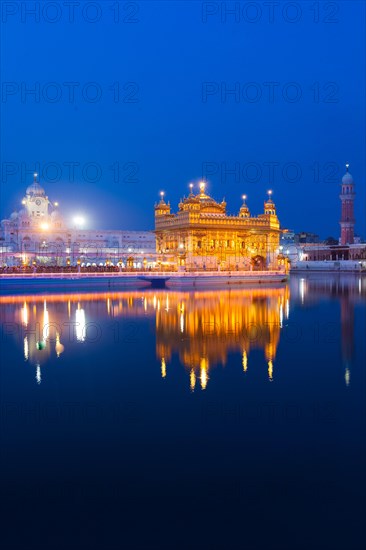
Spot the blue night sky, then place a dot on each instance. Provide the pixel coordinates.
(174, 121)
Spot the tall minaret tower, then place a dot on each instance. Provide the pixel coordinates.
(347, 197)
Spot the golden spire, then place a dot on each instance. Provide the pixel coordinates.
(244, 210)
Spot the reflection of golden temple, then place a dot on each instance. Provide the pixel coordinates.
(245, 361)
(270, 370)
(163, 368)
(192, 378)
(201, 326)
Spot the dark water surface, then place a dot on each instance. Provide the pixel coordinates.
(166, 419)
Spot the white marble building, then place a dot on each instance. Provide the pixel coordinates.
(37, 233)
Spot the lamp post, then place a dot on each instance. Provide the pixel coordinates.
(79, 222)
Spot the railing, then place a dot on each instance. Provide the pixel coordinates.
(136, 274)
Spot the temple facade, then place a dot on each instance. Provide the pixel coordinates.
(201, 235)
(38, 234)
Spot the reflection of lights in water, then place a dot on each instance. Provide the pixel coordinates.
(163, 368)
(204, 318)
(192, 380)
(287, 309)
(302, 289)
(59, 348)
(203, 370)
(46, 321)
(347, 376)
(108, 306)
(38, 374)
(359, 286)
(244, 361)
(26, 348)
(281, 315)
(270, 370)
(24, 312)
(80, 324)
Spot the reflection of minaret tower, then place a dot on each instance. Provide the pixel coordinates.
(347, 197)
(347, 327)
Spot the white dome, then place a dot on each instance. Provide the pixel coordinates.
(347, 179)
(35, 189)
(13, 215)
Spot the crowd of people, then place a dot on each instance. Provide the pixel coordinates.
(29, 269)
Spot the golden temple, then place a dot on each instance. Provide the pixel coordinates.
(202, 236)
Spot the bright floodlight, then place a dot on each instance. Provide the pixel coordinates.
(244, 197)
(44, 226)
(79, 221)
